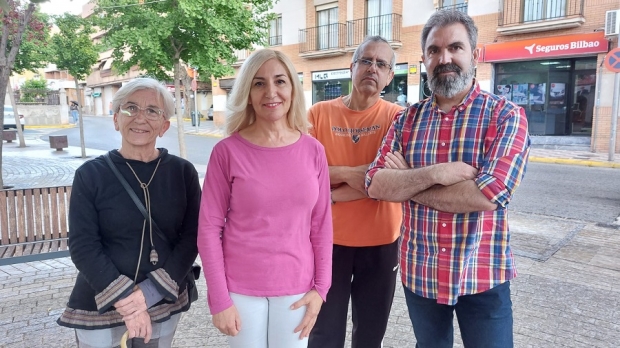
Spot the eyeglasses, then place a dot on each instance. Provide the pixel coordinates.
(132, 110)
(381, 65)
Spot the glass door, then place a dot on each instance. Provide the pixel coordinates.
(583, 102)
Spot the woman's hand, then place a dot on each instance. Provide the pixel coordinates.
(313, 303)
(132, 305)
(140, 326)
(228, 321)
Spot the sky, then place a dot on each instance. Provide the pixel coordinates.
(57, 7)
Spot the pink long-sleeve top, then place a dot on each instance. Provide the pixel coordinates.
(265, 221)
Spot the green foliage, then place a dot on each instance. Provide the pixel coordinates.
(73, 49)
(203, 33)
(34, 51)
(33, 90)
(39, 83)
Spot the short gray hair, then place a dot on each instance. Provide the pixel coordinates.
(445, 17)
(141, 83)
(373, 38)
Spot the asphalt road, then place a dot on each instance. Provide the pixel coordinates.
(572, 192)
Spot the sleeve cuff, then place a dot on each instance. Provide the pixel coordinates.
(215, 308)
(493, 189)
(165, 285)
(152, 295)
(117, 290)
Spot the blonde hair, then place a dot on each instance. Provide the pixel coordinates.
(241, 114)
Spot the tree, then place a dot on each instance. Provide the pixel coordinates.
(33, 90)
(158, 36)
(75, 52)
(16, 18)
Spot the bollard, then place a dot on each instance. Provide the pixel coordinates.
(9, 135)
(58, 142)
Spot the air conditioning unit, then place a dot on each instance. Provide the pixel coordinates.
(612, 23)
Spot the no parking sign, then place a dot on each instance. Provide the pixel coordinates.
(612, 61)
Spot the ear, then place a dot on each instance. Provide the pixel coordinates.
(476, 56)
(164, 128)
(115, 118)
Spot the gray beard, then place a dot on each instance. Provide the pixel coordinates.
(448, 86)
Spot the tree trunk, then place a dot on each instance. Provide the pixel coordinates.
(20, 133)
(80, 103)
(177, 97)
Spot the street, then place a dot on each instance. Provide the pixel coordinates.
(571, 192)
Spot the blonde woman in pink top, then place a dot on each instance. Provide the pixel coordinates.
(265, 231)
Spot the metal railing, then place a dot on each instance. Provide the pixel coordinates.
(387, 26)
(527, 11)
(322, 38)
(36, 97)
(275, 40)
(456, 7)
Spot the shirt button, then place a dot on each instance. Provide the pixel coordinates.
(443, 144)
(443, 225)
(447, 119)
(443, 250)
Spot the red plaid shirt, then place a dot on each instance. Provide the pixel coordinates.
(445, 255)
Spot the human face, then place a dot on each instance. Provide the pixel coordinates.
(368, 80)
(137, 131)
(450, 60)
(271, 92)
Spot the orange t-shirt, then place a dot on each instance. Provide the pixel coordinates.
(352, 138)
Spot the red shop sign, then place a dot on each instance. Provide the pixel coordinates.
(547, 47)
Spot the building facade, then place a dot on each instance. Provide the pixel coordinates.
(545, 55)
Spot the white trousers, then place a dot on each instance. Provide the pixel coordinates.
(268, 322)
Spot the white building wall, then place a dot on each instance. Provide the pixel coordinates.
(293, 18)
(416, 12)
(482, 7)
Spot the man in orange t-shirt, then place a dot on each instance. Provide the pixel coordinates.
(366, 231)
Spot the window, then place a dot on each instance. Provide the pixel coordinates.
(275, 31)
(459, 5)
(535, 10)
(327, 23)
(379, 18)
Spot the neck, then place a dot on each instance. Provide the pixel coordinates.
(143, 155)
(357, 102)
(270, 134)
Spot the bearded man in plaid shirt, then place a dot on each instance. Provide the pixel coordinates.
(454, 160)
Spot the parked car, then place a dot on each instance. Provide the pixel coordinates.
(9, 118)
(210, 113)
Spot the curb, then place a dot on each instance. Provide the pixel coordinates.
(51, 126)
(587, 163)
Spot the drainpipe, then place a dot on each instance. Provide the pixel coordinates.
(597, 105)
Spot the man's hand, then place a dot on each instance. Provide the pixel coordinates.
(132, 305)
(228, 321)
(140, 326)
(395, 160)
(313, 303)
(352, 176)
(450, 173)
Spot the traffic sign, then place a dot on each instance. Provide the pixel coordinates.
(612, 61)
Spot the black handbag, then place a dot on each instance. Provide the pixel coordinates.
(194, 273)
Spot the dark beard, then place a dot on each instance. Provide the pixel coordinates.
(450, 85)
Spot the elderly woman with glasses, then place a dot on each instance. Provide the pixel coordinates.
(133, 243)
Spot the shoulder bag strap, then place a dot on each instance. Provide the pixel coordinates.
(134, 197)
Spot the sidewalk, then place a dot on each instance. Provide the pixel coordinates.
(566, 294)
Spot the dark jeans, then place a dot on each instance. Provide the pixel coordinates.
(371, 291)
(485, 319)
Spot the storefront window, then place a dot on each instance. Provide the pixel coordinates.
(328, 85)
(396, 91)
(544, 89)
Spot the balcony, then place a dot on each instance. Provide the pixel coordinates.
(455, 7)
(275, 40)
(526, 16)
(241, 55)
(388, 26)
(323, 41)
